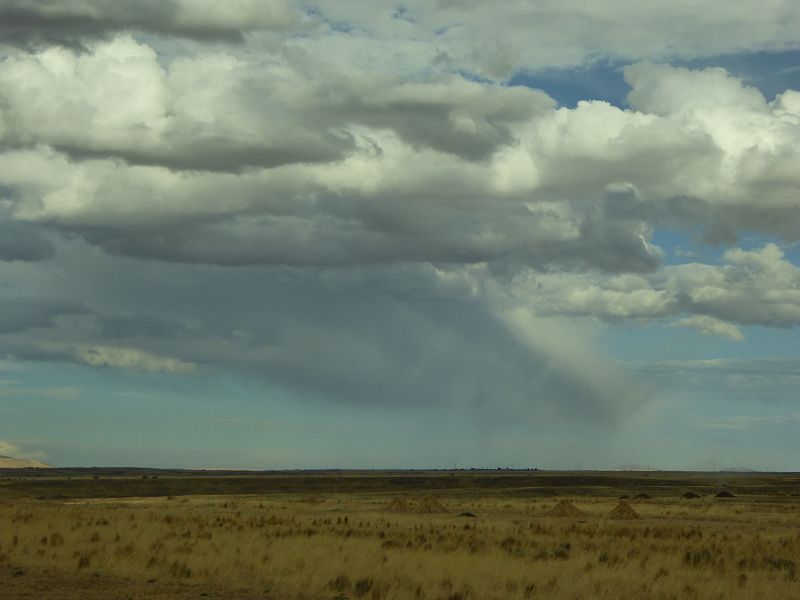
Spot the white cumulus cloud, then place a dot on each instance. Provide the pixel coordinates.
(130, 358)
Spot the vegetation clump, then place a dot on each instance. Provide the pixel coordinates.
(623, 511)
(429, 504)
(399, 504)
(565, 508)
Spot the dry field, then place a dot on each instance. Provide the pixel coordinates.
(354, 545)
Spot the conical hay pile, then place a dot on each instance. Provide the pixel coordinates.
(623, 511)
(690, 496)
(642, 496)
(399, 504)
(429, 504)
(725, 494)
(565, 508)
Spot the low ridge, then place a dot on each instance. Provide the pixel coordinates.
(9, 462)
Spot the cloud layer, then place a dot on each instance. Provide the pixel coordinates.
(757, 287)
(352, 202)
(332, 167)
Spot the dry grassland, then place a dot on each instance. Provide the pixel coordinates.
(354, 546)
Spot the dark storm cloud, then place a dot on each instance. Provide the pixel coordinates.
(117, 327)
(448, 352)
(32, 23)
(404, 336)
(21, 314)
(22, 241)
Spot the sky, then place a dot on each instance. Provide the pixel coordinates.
(268, 234)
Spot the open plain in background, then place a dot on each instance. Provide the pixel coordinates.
(115, 533)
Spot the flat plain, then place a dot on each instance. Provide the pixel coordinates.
(450, 535)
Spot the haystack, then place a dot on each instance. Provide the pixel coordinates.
(565, 508)
(399, 504)
(642, 496)
(690, 496)
(429, 504)
(624, 497)
(623, 511)
(725, 494)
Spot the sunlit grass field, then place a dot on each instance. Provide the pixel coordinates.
(352, 545)
(493, 543)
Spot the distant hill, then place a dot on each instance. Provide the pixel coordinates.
(635, 468)
(738, 470)
(7, 462)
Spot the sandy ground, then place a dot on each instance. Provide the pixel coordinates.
(17, 583)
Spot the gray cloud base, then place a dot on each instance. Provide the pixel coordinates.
(389, 336)
(22, 241)
(72, 23)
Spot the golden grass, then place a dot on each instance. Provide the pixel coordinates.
(352, 546)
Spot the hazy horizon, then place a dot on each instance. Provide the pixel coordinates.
(292, 235)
